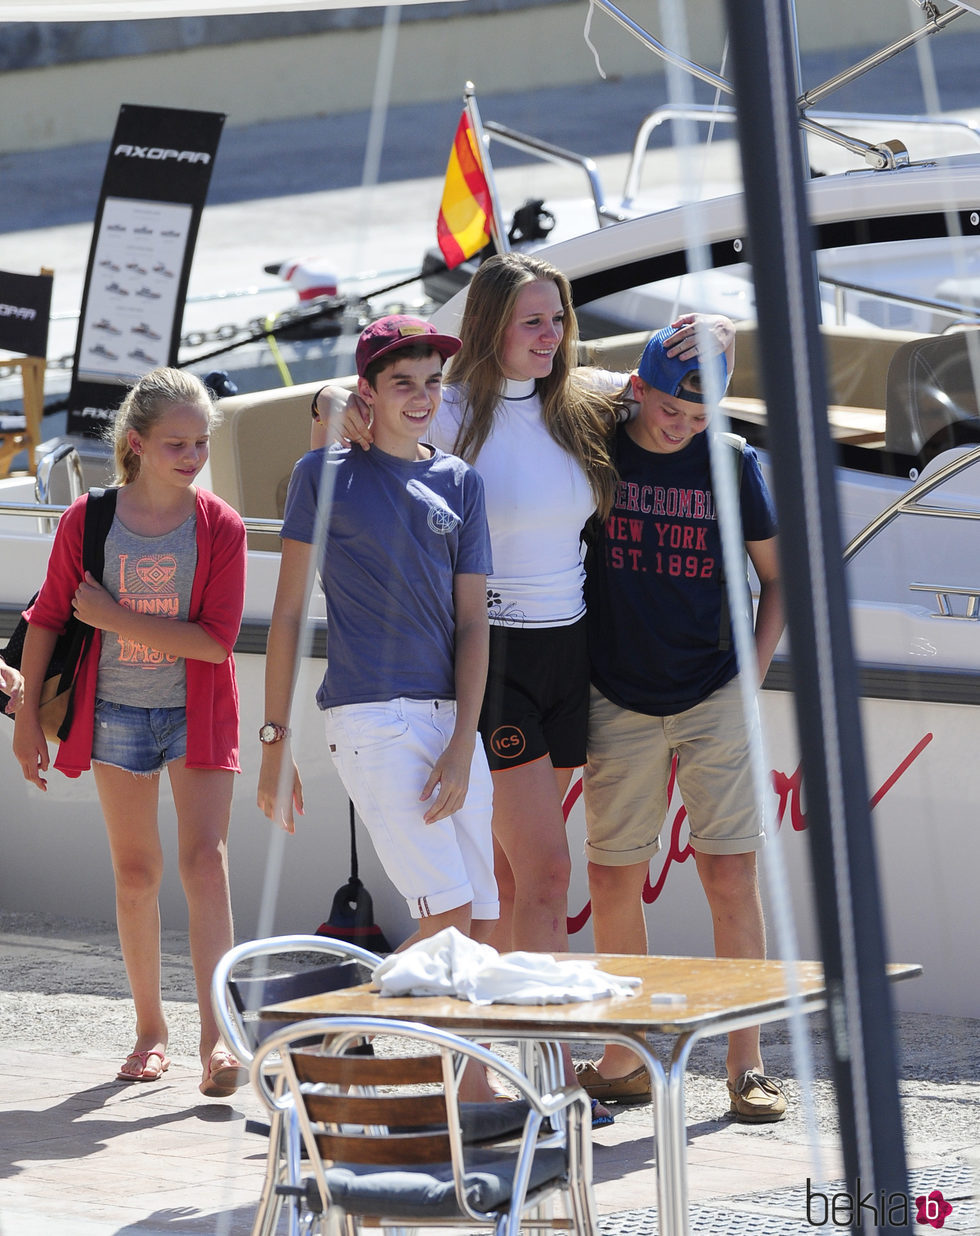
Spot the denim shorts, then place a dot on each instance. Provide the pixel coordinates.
(139, 740)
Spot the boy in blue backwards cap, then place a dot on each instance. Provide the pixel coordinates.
(665, 682)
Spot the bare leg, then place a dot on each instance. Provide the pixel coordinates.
(203, 801)
(129, 804)
(482, 930)
(475, 1086)
(502, 933)
(618, 926)
(529, 830)
(432, 924)
(731, 884)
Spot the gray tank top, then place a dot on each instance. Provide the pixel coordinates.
(151, 575)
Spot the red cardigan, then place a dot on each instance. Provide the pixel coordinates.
(217, 600)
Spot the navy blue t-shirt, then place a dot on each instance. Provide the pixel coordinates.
(654, 588)
(398, 533)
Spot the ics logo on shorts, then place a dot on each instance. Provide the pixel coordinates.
(507, 742)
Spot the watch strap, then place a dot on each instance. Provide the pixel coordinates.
(279, 732)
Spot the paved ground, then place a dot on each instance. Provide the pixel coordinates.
(83, 1153)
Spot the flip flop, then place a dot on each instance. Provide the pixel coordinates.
(140, 1074)
(223, 1075)
(603, 1119)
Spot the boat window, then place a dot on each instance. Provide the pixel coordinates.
(896, 326)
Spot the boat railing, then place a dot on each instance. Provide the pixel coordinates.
(958, 312)
(704, 113)
(888, 154)
(524, 142)
(879, 155)
(911, 503)
(64, 452)
(48, 514)
(942, 593)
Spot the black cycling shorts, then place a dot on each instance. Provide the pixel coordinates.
(537, 696)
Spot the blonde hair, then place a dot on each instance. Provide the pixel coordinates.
(577, 416)
(153, 395)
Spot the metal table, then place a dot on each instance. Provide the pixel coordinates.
(708, 995)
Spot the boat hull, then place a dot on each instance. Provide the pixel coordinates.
(924, 780)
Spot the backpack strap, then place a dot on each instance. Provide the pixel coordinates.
(100, 509)
(737, 444)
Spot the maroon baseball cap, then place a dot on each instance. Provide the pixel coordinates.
(398, 330)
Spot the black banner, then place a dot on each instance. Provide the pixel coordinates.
(25, 310)
(153, 192)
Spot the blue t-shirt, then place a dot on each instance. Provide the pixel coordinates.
(397, 532)
(654, 588)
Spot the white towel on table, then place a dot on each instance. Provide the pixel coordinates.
(451, 964)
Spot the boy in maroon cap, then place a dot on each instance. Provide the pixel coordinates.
(403, 564)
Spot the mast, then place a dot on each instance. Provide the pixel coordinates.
(840, 834)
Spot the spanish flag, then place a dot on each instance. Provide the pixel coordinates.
(463, 227)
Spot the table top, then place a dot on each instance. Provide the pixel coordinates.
(713, 989)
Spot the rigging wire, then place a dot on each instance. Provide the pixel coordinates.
(730, 526)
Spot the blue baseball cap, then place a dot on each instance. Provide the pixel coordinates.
(666, 373)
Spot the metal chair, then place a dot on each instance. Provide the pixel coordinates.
(25, 332)
(386, 1139)
(269, 971)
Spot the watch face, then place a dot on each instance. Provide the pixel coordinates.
(267, 733)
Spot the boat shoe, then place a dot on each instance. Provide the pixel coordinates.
(756, 1099)
(631, 1088)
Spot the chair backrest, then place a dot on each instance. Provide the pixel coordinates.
(386, 1135)
(341, 1099)
(931, 399)
(276, 969)
(25, 301)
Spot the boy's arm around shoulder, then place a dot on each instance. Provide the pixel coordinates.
(280, 790)
(769, 618)
(452, 771)
(340, 415)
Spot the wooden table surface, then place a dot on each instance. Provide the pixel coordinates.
(714, 989)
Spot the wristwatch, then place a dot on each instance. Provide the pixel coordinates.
(271, 732)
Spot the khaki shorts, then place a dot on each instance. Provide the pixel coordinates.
(628, 772)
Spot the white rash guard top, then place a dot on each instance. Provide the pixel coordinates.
(538, 500)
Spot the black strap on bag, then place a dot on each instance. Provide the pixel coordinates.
(72, 645)
(100, 510)
(737, 444)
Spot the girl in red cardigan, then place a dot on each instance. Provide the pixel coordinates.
(156, 689)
